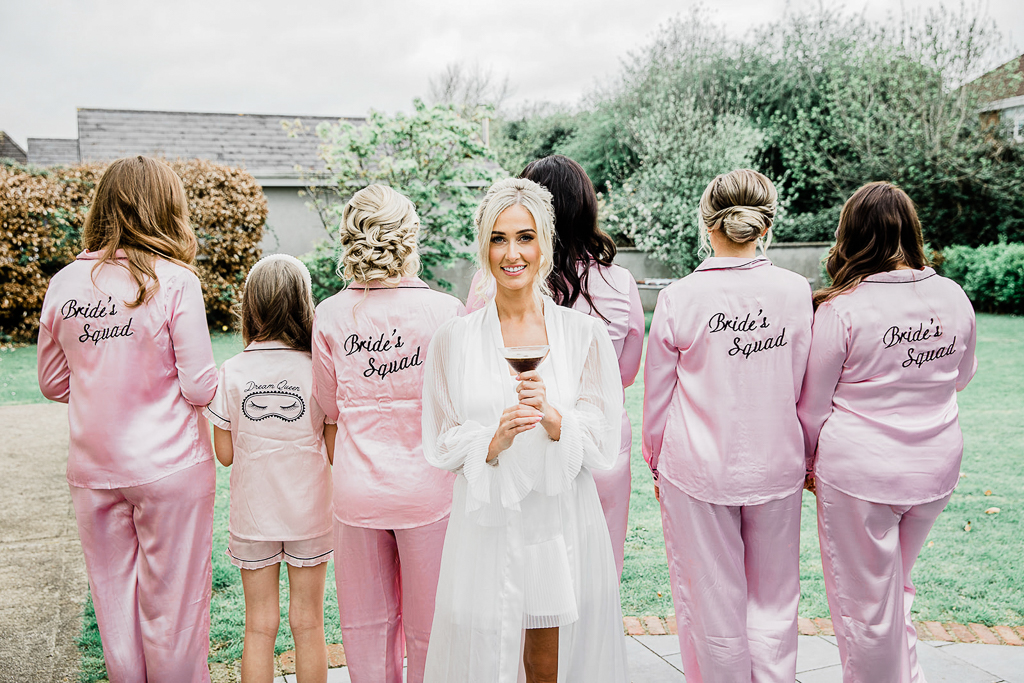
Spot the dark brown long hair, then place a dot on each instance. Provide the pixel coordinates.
(878, 231)
(578, 239)
(277, 305)
(140, 207)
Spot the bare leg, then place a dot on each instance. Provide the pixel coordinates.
(540, 655)
(262, 618)
(306, 618)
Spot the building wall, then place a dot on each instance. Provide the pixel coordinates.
(292, 227)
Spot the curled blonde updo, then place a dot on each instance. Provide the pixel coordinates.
(742, 204)
(378, 236)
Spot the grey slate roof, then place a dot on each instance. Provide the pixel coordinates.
(11, 149)
(52, 151)
(256, 142)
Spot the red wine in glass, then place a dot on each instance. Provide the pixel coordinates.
(524, 358)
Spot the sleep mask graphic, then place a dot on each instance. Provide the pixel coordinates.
(280, 404)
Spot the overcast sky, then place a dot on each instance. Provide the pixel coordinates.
(331, 58)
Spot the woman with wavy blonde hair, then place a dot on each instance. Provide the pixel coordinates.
(725, 362)
(390, 507)
(527, 559)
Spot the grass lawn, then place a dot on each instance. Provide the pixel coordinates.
(969, 570)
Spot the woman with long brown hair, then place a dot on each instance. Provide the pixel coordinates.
(123, 341)
(893, 342)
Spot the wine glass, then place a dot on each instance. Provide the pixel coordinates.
(524, 358)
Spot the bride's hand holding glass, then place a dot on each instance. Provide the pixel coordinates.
(533, 393)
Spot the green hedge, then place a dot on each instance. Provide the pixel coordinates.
(992, 276)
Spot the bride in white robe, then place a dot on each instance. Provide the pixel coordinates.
(527, 545)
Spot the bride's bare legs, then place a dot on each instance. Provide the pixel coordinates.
(540, 655)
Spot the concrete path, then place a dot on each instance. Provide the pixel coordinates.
(42, 573)
(655, 659)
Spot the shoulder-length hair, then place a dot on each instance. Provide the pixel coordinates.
(140, 207)
(277, 303)
(878, 231)
(532, 197)
(578, 239)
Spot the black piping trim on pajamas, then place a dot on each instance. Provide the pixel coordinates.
(738, 265)
(279, 552)
(218, 417)
(294, 557)
(370, 289)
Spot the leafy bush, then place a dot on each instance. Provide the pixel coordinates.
(322, 263)
(42, 213)
(992, 276)
(434, 156)
(807, 227)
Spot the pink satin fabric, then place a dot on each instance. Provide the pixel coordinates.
(386, 583)
(726, 357)
(135, 379)
(369, 345)
(147, 553)
(616, 297)
(879, 408)
(280, 476)
(867, 552)
(735, 586)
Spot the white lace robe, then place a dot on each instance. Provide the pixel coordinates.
(527, 544)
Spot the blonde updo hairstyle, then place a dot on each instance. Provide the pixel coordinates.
(534, 198)
(742, 205)
(378, 237)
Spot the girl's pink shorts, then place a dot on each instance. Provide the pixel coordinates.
(247, 554)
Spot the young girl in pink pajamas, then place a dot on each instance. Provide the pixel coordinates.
(893, 344)
(725, 361)
(123, 341)
(391, 507)
(269, 428)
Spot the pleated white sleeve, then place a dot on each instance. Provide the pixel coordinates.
(450, 441)
(591, 427)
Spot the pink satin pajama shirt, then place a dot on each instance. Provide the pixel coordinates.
(280, 476)
(725, 362)
(135, 379)
(368, 354)
(139, 459)
(879, 405)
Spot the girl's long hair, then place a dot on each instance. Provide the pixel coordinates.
(878, 231)
(277, 303)
(140, 207)
(578, 239)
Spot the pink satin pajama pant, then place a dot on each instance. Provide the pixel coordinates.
(613, 488)
(386, 581)
(147, 552)
(735, 575)
(867, 552)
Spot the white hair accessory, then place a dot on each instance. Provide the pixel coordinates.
(282, 257)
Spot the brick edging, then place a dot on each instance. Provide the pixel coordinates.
(950, 632)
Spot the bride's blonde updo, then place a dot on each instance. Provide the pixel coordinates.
(378, 235)
(742, 204)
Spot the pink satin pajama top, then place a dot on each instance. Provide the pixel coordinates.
(369, 346)
(135, 379)
(726, 357)
(879, 406)
(280, 476)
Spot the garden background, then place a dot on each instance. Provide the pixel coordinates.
(821, 102)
